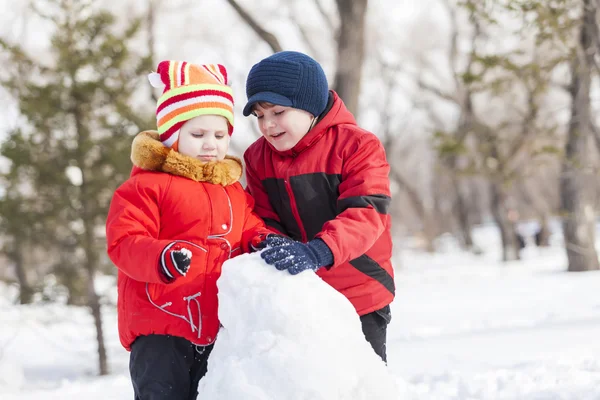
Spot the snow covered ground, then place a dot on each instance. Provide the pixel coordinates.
(464, 327)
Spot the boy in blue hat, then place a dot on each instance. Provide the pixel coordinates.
(321, 183)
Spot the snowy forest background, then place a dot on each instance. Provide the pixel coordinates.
(487, 110)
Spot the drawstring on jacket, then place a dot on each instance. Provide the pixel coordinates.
(188, 300)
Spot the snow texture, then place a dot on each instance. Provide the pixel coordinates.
(289, 337)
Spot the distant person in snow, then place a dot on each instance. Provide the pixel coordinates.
(170, 227)
(321, 183)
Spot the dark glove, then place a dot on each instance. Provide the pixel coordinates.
(175, 261)
(261, 242)
(297, 257)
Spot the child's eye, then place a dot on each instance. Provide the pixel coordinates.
(198, 135)
(258, 116)
(279, 112)
(220, 136)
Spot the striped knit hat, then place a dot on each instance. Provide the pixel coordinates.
(190, 90)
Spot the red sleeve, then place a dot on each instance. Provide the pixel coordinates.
(363, 202)
(262, 205)
(133, 225)
(253, 226)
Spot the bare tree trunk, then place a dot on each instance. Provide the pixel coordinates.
(91, 255)
(86, 240)
(460, 207)
(510, 248)
(94, 304)
(575, 195)
(543, 236)
(429, 231)
(71, 278)
(25, 290)
(542, 210)
(350, 51)
(425, 216)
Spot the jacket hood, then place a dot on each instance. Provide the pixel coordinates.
(148, 153)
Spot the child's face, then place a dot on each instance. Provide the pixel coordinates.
(282, 126)
(204, 137)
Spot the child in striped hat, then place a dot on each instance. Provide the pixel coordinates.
(170, 227)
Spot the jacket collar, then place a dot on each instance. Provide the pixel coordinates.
(148, 153)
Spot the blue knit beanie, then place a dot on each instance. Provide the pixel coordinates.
(289, 79)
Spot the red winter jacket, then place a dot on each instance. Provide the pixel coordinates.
(332, 185)
(198, 204)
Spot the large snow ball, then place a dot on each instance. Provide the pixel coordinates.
(289, 337)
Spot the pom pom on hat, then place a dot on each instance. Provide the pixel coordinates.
(155, 80)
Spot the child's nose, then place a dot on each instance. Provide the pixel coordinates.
(270, 123)
(209, 144)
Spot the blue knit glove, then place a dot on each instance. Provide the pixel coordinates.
(297, 257)
(271, 240)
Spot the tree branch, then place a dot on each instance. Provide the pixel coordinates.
(596, 133)
(304, 32)
(328, 21)
(410, 191)
(389, 140)
(453, 51)
(436, 91)
(268, 37)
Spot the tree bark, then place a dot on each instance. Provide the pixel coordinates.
(543, 235)
(350, 51)
(576, 200)
(86, 240)
(95, 307)
(460, 207)
(91, 255)
(25, 290)
(510, 247)
(425, 216)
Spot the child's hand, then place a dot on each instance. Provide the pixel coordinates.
(272, 240)
(175, 261)
(296, 257)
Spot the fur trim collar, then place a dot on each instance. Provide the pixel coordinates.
(147, 152)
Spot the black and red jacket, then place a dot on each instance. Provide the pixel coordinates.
(332, 185)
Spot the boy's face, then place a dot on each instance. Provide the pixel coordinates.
(204, 137)
(282, 126)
